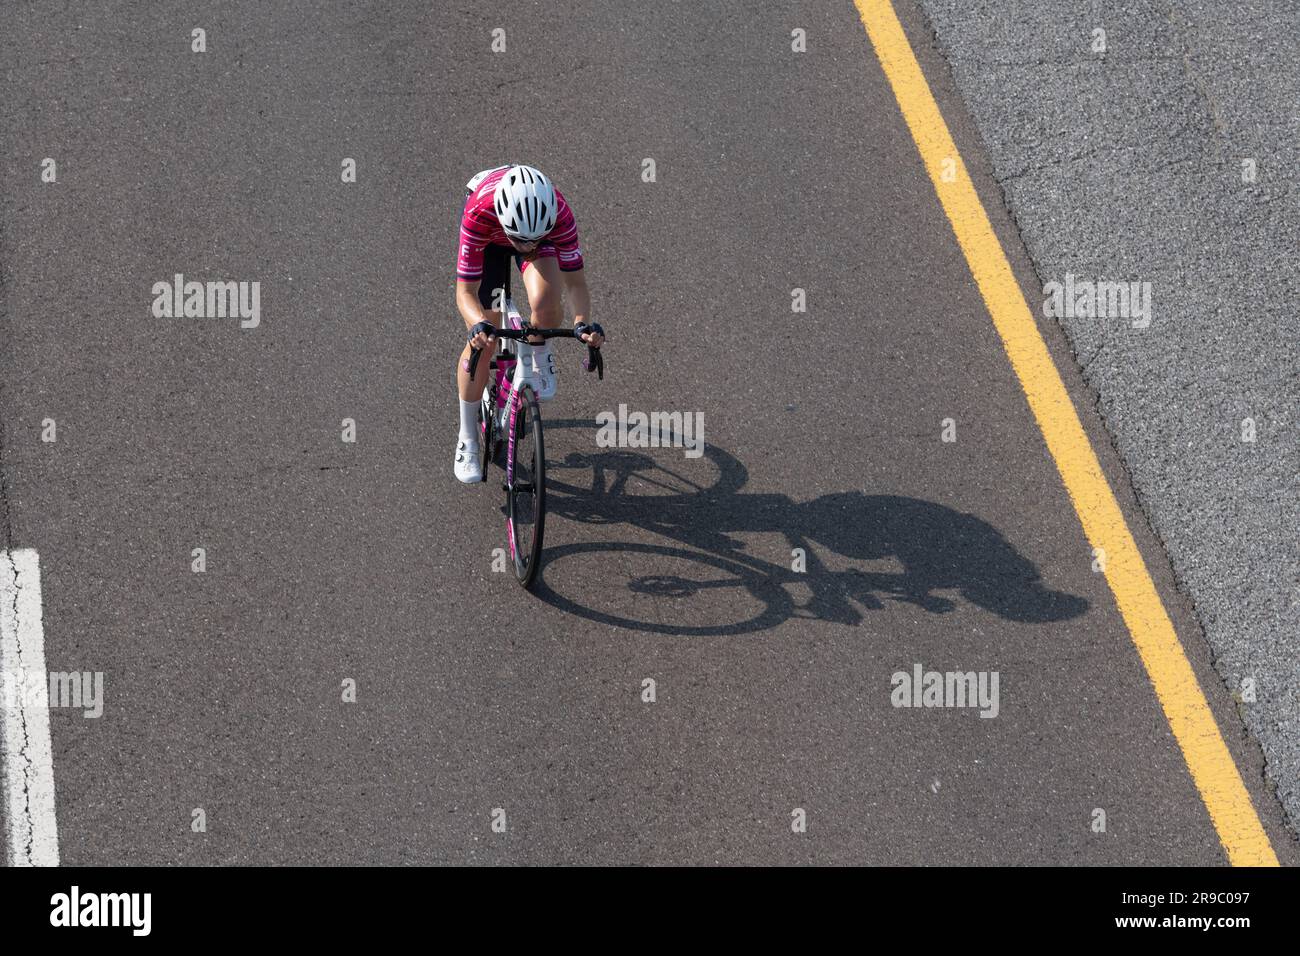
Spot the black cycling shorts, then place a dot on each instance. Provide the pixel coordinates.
(496, 274)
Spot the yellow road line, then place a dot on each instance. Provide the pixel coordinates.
(1185, 706)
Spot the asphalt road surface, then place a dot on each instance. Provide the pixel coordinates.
(329, 561)
(1173, 158)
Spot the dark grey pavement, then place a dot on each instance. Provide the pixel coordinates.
(329, 561)
(1171, 158)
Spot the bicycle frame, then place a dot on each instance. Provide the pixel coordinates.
(501, 390)
(507, 389)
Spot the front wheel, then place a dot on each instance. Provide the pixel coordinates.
(525, 486)
(487, 434)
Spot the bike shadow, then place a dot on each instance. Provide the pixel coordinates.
(926, 547)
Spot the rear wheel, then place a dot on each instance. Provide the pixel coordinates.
(525, 486)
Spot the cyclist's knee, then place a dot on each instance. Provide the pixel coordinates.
(548, 311)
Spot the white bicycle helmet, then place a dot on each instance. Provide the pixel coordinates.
(525, 203)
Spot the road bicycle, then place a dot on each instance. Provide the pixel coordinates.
(510, 411)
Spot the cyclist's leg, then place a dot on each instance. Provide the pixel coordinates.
(493, 291)
(544, 285)
(496, 276)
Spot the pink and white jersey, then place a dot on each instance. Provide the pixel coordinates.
(479, 228)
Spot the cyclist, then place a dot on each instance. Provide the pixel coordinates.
(513, 211)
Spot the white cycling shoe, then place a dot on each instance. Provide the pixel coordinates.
(468, 468)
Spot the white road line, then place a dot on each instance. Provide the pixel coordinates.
(28, 764)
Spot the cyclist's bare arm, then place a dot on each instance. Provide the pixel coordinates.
(576, 291)
(471, 310)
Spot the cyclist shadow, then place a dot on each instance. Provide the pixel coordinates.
(925, 547)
